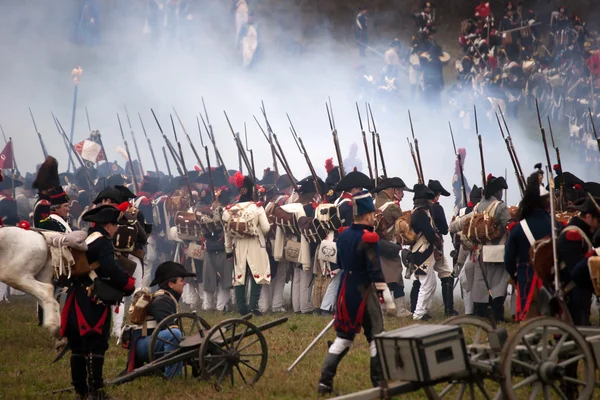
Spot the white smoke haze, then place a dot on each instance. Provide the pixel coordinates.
(125, 69)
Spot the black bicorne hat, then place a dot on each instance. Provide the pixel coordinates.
(436, 187)
(105, 214)
(422, 192)
(168, 270)
(353, 180)
(391, 183)
(494, 185)
(110, 193)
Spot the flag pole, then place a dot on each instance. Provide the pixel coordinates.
(14, 173)
(76, 74)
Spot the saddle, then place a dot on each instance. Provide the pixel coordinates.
(68, 253)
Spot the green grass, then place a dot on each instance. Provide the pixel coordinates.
(27, 352)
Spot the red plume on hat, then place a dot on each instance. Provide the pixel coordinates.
(123, 207)
(490, 176)
(329, 165)
(238, 179)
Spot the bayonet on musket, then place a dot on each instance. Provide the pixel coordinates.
(200, 164)
(241, 151)
(512, 147)
(149, 145)
(135, 146)
(460, 168)
(561, 177)
(167, 162)
(39, 135)
(512, 158)
(302, 149)
(384, 170)
(420, 174)
(414, 157)
(365, 144)
(135, 183)
(211, 137)
(334, 133)
(270, 130)
(483, 175)
(187, 177)
(376, 168)
(543, 131)
(249, 150)
(168, 143)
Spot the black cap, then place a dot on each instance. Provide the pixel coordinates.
(475, 195)
(307, 185)
(58, 196)
(588, 205)
(126, 194)
(354, 179)
(105, 214)
(283, 181)
(494, 185)
(437, 188)
(268, 178)
(422, 192)
(390, 183)
(110, 193)
(168, 270)
(218, 176)
(150, 184)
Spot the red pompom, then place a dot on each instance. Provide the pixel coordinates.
(511, 226)
(145, 201)
(577, 186)
(329, 165)
(355, 169)
(573, 236)
(470, 204)
(259, 204)
(123, 207)
(555, 167)
(24, 225)
(238, 179)
(196, 168)
(130, 285)
(370, 237)
(490, 176)
(342, 229)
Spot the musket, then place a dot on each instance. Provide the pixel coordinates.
(302, 149)
(210, 175)
(187, 177)
(149, 145)
(16, 168)
(249, 150)
(384, 170)
(190, 142)
(364, 137)
(512, 147)
(87, 116)
(594, 128)
(412, 130)
(62, 132)
(211, 137)
(512, 157)
(39, 135)
(240, 161)
(543, 131)
(65, 141)
(334, 133)
(276, 153)
(376, 168)
(460, 167)
(168, 143)
(270, 130)
(558, 289)
(483, 175)
(137, 150)
(560, 170)
(241, 152)
(167, 162)
(414, 157)
(133, 174)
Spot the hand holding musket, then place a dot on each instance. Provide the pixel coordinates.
(364, 137)
(334, 133)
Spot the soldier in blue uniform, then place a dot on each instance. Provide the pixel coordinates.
(362, 281)
(59, 212)
(534, 224)
(86, 316)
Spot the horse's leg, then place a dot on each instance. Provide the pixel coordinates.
(44, 293)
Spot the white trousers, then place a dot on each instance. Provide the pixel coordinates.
(192, 294)
(442, 268)
(149, 260)
(119, 317)
(271, 296)
(3, 291)
(222, 297)
(301, 301)
(330, 297)
(466, 290)
(426, 291)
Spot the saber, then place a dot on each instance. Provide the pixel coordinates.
(311, 345)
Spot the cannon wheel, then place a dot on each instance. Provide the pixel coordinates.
(471, 386)
(189, 324)
(536, 356)
(234, 347)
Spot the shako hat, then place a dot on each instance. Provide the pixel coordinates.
(168, 270)
(58, 196)
(362, 203)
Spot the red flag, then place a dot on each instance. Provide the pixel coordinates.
(6, 157)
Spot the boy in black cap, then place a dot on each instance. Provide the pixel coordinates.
(86, 316)
(170, 280)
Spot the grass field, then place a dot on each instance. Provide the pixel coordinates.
(27, 352)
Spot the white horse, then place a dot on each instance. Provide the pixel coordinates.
(26, 265)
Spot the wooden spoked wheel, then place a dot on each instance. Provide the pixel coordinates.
(234, 349)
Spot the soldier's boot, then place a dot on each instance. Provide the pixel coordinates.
(448, 296)
(79, 375)
(329, 370)
(376, 372)
(255, 290)
(498, 308)
(401, 311)
(414, 295)
(96, 380)
(240, 299)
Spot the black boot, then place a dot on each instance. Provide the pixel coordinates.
(498, 307)
(448, 296)
(96, 380)
(240, 299)
(480, 310)
(376, 372)
(79, 375)
(414, 295)
(329, 370)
